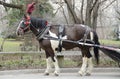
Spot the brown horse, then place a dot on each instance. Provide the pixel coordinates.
(76, 32)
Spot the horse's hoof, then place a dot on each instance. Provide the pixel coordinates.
(46, 74)
(56, 74)
(80, 73)
(87, 74)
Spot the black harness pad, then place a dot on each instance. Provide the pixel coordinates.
(38, 22)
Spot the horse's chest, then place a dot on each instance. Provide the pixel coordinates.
(55, 43)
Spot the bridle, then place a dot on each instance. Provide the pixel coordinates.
(26, 22)
(27, 25)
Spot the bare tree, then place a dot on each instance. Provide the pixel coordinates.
(81, 12)
(72, 12)
(90, 13)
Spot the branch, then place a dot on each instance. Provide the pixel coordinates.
(57, 10)
(76, 19)
(11, 5)
(109, 4)
(118, 14)
(101, 2)
(65, 15)
(94, 4)
(81, 12)
(118, 18)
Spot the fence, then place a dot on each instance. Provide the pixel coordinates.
(60, 56)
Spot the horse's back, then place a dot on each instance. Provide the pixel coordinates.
(76, 31)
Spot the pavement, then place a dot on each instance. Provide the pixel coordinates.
(66, 73)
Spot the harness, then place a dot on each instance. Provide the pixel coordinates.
(26, 24)
(85, 39)
(61, 33)
(41, 33)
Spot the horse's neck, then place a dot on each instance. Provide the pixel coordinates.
(34, 30)
(36, 22)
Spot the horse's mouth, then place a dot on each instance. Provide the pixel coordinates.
(19, 33)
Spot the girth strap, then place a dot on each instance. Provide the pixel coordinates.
(60, 35)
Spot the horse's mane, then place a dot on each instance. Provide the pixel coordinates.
(38, 22)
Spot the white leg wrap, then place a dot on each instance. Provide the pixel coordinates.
(84, 65)
(57, 69)
(90, 66)
(49, 68)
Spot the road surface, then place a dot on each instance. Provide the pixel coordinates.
(66, 73)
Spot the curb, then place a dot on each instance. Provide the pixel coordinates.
(63, 70)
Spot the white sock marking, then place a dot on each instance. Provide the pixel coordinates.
(57, 69)
(84, 65)
(48, 61)
(90, 65)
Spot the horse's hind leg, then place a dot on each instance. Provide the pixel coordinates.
(83, 67)
(89, 67)
(86, 67)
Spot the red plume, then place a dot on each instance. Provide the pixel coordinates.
(30, 8)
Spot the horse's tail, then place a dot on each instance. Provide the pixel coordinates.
(96, 49)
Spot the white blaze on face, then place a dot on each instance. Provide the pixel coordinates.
(54, 43)
(19, 26)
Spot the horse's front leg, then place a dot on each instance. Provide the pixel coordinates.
(48, 63)
(57, 69)
(50, 55)
(49, 68)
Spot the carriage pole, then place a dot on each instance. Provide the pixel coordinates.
(113, 53)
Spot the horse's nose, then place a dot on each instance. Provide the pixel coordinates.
(20, 32)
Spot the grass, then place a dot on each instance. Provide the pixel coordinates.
(10, 45)
(6, 62)
(110, 42)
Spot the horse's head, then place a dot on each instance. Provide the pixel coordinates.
(31, 23)
(24, 25)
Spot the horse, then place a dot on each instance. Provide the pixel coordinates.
(73, 32)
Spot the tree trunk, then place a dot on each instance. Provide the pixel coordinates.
(11, 5)
(88, 12)
(95, 15)
(1, 47)
(81, 12)
(72, 12)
